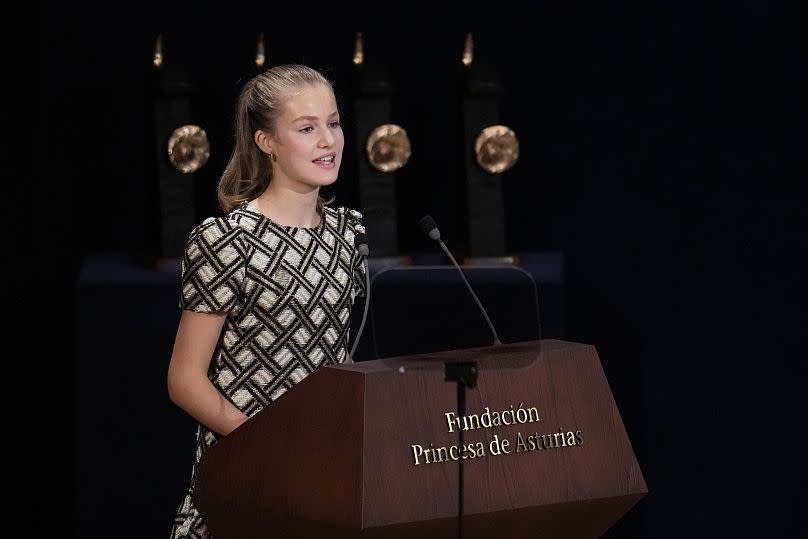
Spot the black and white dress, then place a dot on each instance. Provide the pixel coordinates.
(288, 294)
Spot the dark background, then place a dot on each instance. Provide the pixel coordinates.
(658, 153)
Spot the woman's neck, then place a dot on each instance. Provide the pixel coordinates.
(288, 208)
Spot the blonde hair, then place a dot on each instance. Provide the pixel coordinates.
(259, 105)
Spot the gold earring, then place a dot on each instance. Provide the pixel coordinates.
(273, 157)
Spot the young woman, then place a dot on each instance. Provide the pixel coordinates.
(267, 289)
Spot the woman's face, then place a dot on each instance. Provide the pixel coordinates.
(308, 140)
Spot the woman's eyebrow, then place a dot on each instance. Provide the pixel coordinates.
(335, 113)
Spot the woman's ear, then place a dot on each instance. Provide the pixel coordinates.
(263, 141)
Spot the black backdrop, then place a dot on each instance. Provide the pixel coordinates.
(659, 146)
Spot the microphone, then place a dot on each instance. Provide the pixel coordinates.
(430, 228)
(361, 246)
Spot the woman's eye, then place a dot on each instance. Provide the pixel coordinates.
(335, 124)
(307, 129)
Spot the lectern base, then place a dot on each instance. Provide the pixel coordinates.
(579, 520)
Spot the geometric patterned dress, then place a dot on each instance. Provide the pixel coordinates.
(288, 294)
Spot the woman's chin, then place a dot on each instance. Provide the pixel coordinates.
(329, 179)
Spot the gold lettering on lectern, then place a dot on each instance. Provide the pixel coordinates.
(489, 419)
(536, 441)
(432, 454)
(496, 445)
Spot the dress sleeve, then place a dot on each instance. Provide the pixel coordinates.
(358, 273)
(213, 267)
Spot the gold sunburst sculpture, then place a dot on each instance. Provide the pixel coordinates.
(496, 148)
(188, 148)
(388, 148)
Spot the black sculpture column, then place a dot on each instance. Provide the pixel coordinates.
(489, 149)
(177, 148)
(382, 148)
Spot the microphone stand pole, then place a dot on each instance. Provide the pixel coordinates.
(465, 374)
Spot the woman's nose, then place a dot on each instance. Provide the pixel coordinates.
(327, 139)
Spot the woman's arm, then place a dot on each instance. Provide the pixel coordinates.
(188, 383)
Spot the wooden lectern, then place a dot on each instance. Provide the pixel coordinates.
(369, 450)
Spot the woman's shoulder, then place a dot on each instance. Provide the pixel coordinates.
(217, 228)
(351, 218)
(241, 216)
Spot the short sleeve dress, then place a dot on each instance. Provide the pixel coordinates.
(288, 294)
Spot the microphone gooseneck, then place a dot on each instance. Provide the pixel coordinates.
(430, 228)
(362, 249)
